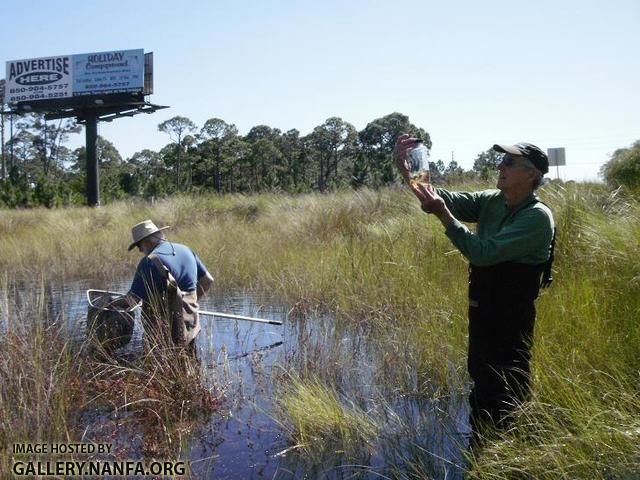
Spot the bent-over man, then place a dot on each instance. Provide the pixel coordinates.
(169, 280)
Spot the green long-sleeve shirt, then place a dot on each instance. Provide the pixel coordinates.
(522, 234)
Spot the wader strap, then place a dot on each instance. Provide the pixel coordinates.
(183, 307)
(161, 267)
(547, 275)
(164, 271)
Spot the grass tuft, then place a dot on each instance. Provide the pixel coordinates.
(318, 420)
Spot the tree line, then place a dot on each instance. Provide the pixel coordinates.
(39, 169)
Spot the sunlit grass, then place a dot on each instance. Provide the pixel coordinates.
(585, 426)
(318, 420)
(164, 391)
(384, 268)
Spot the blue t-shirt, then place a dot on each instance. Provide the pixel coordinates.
(182, 262)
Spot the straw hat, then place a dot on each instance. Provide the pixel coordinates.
(142, 230)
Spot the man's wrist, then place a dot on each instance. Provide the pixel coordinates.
(445, 217)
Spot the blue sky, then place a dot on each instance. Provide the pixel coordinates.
(554, 73)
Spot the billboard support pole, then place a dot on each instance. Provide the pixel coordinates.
(93, 179)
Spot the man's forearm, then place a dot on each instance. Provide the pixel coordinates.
(445, 216)
(204, 284)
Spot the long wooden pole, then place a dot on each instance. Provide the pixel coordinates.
(239, 317)
(205, 312)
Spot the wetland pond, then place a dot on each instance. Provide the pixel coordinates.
(417, 437)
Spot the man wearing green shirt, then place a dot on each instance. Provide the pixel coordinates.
(508, 254)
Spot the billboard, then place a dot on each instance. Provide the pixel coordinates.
(50, 78)
(108, 72)
(38, 79)
(556, 156)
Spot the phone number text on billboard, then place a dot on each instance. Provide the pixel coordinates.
(38, 96)
(39, 88)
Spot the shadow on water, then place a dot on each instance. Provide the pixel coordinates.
(418, 437)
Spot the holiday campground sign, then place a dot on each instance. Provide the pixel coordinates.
(50, 78)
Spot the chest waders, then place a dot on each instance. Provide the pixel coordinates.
(172, 308)
(501, 322)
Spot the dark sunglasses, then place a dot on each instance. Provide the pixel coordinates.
(509, 161)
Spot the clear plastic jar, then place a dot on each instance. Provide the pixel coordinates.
(419, 163)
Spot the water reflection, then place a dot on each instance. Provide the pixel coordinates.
(419, 437)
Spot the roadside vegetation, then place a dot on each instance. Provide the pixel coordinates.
(385, 270)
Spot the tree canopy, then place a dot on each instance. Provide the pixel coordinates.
(623, 170)
(216, 157)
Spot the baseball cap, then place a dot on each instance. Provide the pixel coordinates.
(528, 151)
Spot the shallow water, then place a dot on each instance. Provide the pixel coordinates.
(243, 440)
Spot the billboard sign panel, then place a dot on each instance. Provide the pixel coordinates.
(108, 72)
(67, 76)
(38, 79)
(148, 73)
(556, 157)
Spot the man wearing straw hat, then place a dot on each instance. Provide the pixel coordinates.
(510, 257)
(169, 279)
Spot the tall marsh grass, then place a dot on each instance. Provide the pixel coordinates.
(38, 384)
(378, 263)
(52, 384)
